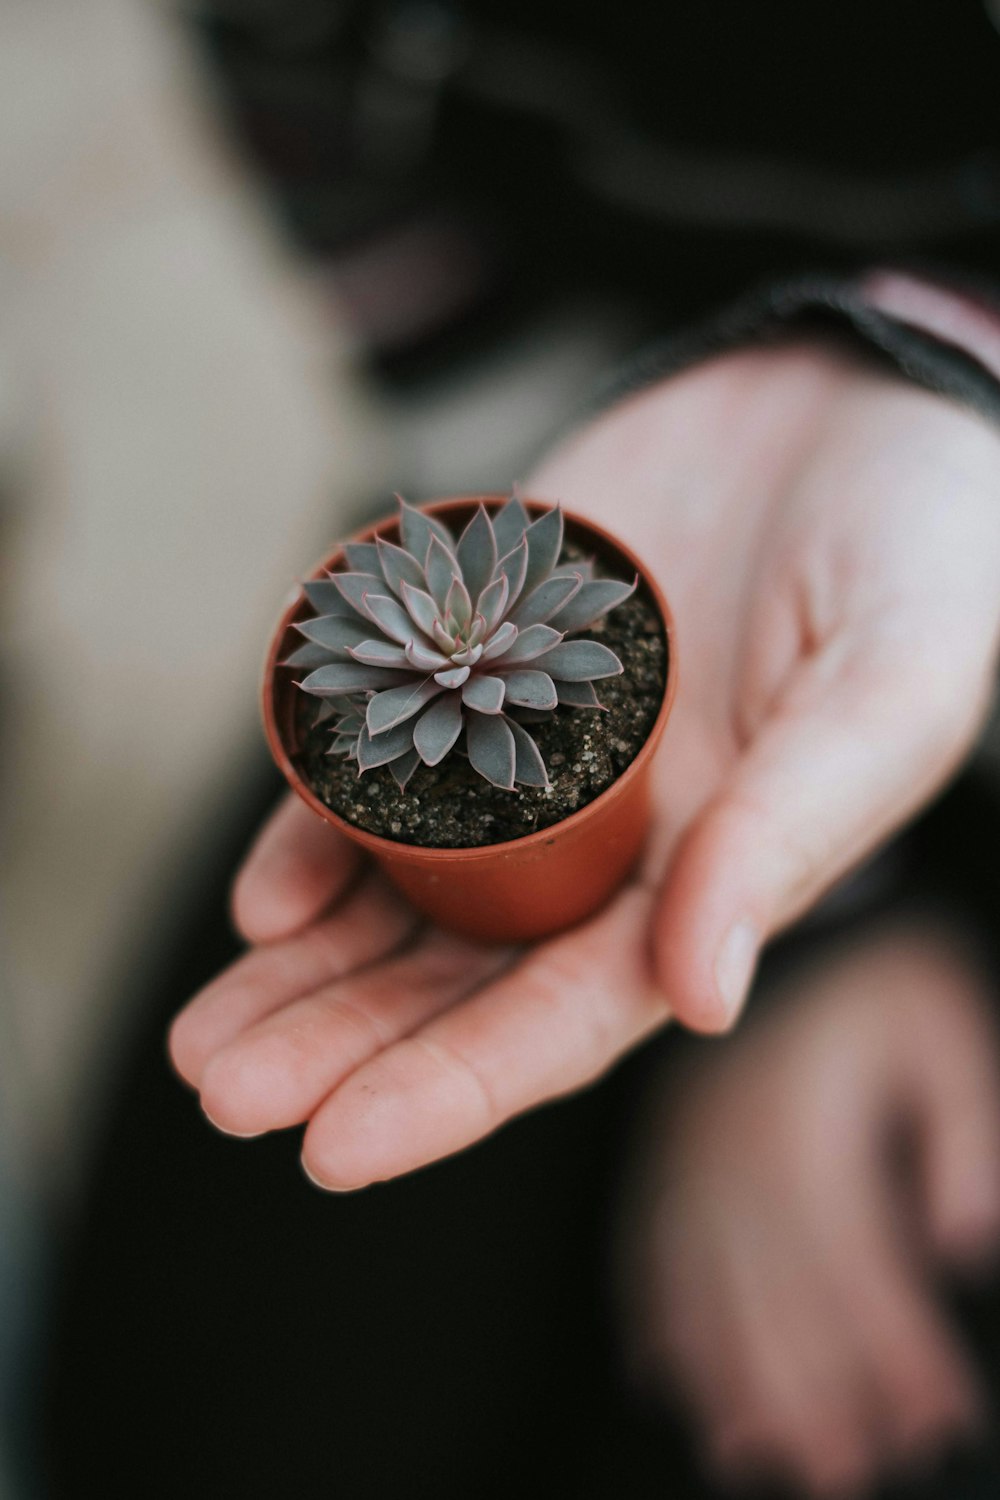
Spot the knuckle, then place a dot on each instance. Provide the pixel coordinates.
(469, 1075)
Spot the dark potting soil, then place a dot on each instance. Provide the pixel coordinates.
(450, 806)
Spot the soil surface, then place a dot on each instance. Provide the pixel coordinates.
(450, 806)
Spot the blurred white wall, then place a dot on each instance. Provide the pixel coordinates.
(179, 428)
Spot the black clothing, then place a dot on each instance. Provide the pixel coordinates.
(666, 155)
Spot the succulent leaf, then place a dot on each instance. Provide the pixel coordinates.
(351, 723)
(349, 677)
(438, 728)
(458, 606)
(414, 643)
(403, 768)
(445, 641)
(578, 695)
(490, 743)
(441, 569)
(484, 694)
(379, 654)
(326, 598)
(398, 567)
(592, 600)
(528, 644)
(335, 633)
(379, 750)
(545, 601)
(500, 642)
(580, 661)
(510, 523)
(454, 677)
(308, 655)
(531, 689)
(363, 557)
(468, 656)
(417, 528)
(545, 539)
(514, 567)
(423, 658)
(477, 553)
(390, 616)
(529, 767)
(354, 586)
(344, 744)
(421, 609)
(491, 604)
(391, 707)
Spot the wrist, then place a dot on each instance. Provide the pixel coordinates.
(943, 340)
(960, 318)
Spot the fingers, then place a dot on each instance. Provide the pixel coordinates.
(547, 1026)
(950, 1054)
(823, 1365)
(297, 867)
(782, 1426)
(371, 923)
(922, 1383)
(279, 1071)
(774, 1376)
(853, 749)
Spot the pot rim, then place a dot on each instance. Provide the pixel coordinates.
(375, 843)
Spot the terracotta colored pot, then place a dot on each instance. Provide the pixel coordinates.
(528, 887)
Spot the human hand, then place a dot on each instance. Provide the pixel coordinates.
(830, 541)
(793, 1194)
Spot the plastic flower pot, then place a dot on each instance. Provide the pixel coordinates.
(528, 887)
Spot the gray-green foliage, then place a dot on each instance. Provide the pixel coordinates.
(447, 643)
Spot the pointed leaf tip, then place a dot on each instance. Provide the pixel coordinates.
(395, 705)
(477, 552)
(529, 767)
(438, 728)
(580, 661)
(545, 538)
(595, 598)
(416, 529)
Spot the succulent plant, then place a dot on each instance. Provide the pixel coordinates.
(441, 644)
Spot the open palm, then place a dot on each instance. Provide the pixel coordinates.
(829, 538)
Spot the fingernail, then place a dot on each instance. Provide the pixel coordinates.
(734, 966)
(325, 1187)
(235, 1135)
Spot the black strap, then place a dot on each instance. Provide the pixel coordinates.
(818, 301)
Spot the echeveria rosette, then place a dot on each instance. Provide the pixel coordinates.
(441, 644)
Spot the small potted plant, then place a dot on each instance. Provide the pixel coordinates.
(473, 692)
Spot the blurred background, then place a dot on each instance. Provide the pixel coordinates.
(222, 297)
(263, 262)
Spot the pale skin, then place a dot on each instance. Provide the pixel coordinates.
(795, 1198)
(829, 537)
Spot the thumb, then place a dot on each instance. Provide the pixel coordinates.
(856, 744)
